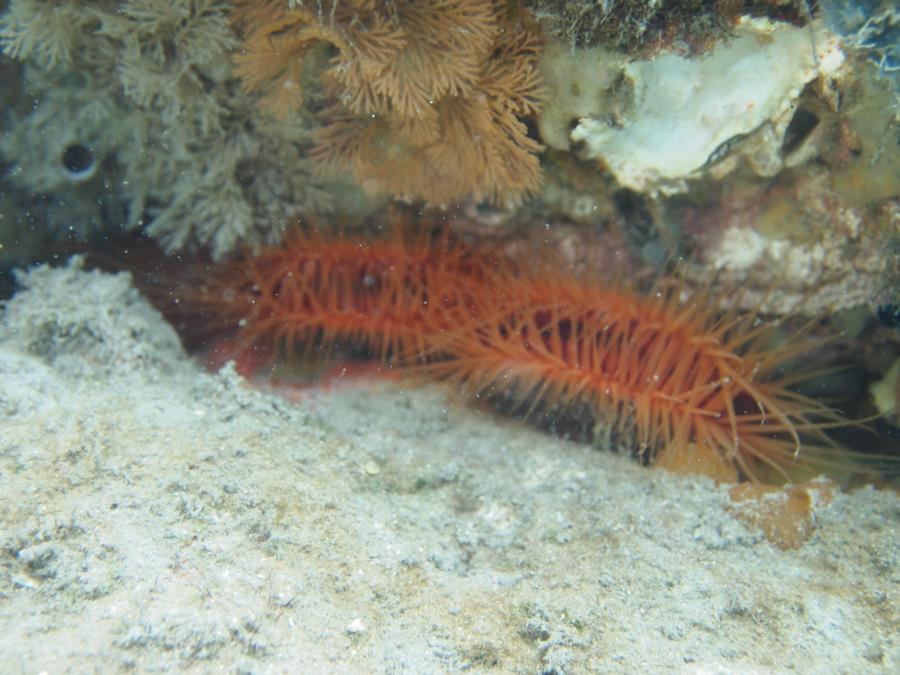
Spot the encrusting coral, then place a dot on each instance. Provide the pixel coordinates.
(429, 98)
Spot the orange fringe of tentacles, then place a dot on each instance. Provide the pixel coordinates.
(391, 297)
(696, 385)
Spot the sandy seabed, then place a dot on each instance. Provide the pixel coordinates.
(154, 517)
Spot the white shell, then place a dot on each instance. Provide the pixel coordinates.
(686, 109)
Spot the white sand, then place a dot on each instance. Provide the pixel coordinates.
(157, 518)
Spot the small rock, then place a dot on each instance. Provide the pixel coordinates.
(356, 627)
